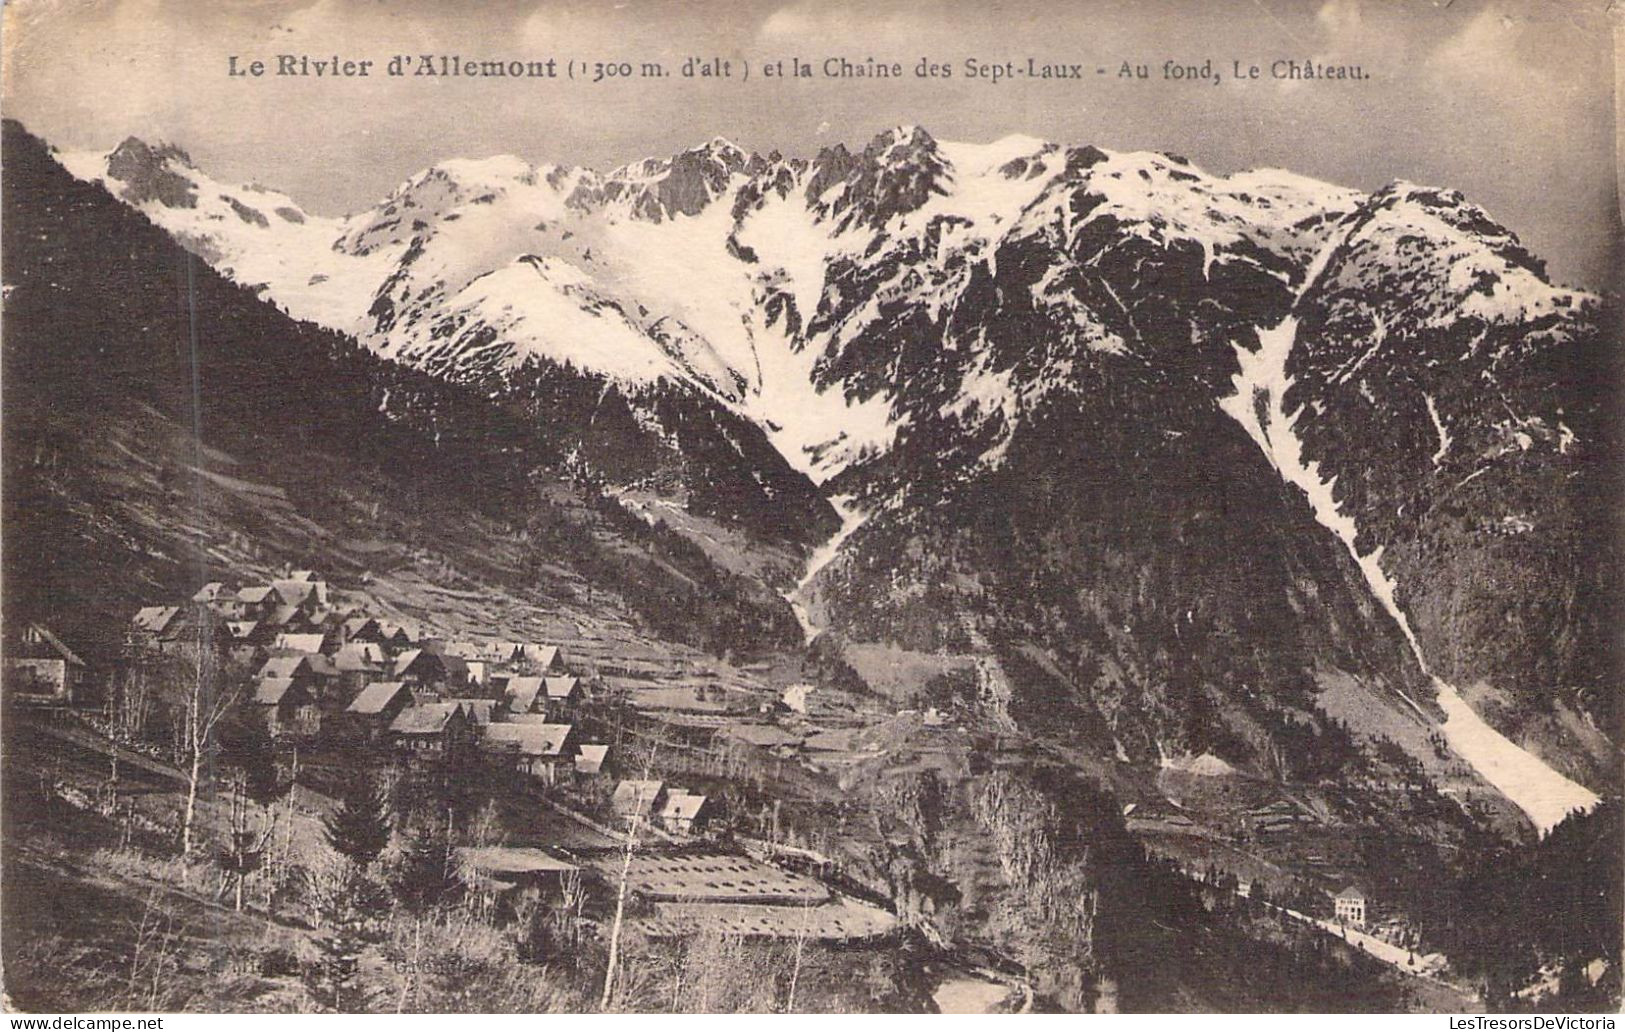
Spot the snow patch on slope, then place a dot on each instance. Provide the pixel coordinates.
(291, 257)
(852, 517)
(1543, 794)
(1439, 428)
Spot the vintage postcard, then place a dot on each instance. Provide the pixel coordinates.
(918, 506)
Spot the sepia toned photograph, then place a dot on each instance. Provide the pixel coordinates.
(776, 506)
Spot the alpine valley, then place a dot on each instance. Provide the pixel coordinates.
(1268, 518)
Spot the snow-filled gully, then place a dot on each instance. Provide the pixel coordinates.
(1258, 404)
(852, 518)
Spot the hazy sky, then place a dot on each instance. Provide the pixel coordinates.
(1513, 102)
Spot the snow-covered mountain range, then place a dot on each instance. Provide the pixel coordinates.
(921, 325)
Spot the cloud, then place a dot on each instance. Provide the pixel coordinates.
(1487, 52)
(872, 25)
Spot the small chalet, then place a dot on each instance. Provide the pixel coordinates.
(1350, 906)
(539, 659)
(480, 712)
(288, 706)
(156, 625)
(502, 653)
(637, 799)
(563, 693)
(210, 593)
(42, 671)
(524, 693)
(420, 667)
(395, 636)
(303, 594)
(313, 642)
(328, 681)
(245, 632)
(361, 628)
(253, 603)
(432, 727)
(377, 705)
(284, 619)
(358, 664)
(540, 750)
(357, 653)
(330, 621)
(683, 813)
(462, 650)
(590, 759)
(296, 667)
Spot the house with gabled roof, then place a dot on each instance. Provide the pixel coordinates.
(153, 625)
(328, 620)
(41, 670)
(299, 593)
(287, 619)
(376, 706)
(481, 712)
(775, 739)
(357, 653)
(462, 649)
(456, 672)
(541, 750)
(210, 593)
(313, 642)
(291, 666)
(683, 813)
(637, 798)
(502, 652)
(245, 632)
(381, 699)
(418, 666)
(254, 601)
(1350, 906)
(327, 681)
(506, 868)
(288, 707)
(361, 628)
(358, 664)
(396, 636)
(563, 693)
(590, 759)
(539, 659)
(523, 694)
(432, 727)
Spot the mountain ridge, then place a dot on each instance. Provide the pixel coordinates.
(900, 323)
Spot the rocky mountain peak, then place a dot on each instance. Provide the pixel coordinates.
(658, 189)
(149, 173)
(897, 172)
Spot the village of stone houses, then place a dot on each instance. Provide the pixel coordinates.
(521, 783)
(334, 766)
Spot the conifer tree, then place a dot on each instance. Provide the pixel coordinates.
(427, 874)
(359, 828)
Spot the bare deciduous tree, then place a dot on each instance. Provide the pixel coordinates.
(634, 827)
(206, 705)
